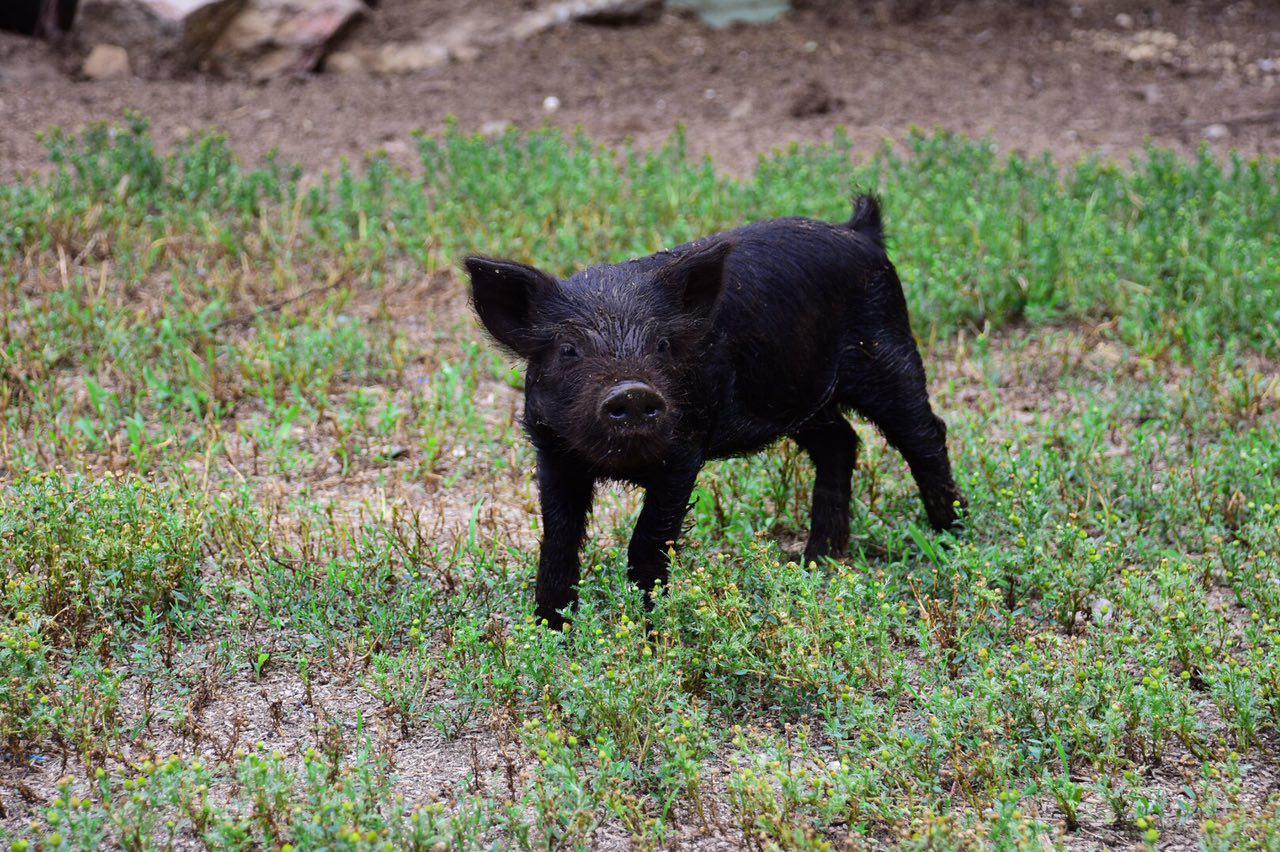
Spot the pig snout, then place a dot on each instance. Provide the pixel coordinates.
(631, 405)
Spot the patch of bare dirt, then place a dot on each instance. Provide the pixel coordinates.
(1071, 78)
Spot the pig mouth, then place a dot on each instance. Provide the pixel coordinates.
(630, 450)
(631, 426)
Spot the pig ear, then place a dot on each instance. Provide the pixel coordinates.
(698, 276)
(505, 295)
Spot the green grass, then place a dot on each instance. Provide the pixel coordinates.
(267, 527)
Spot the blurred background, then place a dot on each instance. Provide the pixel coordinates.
(323, 79)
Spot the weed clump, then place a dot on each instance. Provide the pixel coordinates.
(82, 555)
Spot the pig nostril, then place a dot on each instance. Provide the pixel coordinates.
(632, 403)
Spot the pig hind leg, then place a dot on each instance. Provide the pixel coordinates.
(884, 381)
(833, 446)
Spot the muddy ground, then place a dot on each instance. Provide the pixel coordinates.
(1069, 78)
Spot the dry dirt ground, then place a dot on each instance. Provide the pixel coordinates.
(1071, 78)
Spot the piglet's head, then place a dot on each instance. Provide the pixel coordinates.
(609, 350)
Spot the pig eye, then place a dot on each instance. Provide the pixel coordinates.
(568, 350)
(664, 345)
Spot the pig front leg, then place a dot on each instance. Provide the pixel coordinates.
(833, 446)
(565, 491)
(666, 502)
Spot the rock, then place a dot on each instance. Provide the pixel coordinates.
(1102, 610)
(1215, 132)
(345, 62)
(162, 37)
(1124, 21)
(465, 38)
(106, 62)
(396, 58)
(497, 127)
(465, 52)
(814, 98)
(721, 13)
(1141, 53)
(406, 58)
(273, 37)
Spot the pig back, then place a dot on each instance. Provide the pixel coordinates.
(792, 291)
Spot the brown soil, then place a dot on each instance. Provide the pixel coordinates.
(1062, 79)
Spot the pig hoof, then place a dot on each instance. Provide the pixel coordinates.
(946, 511)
